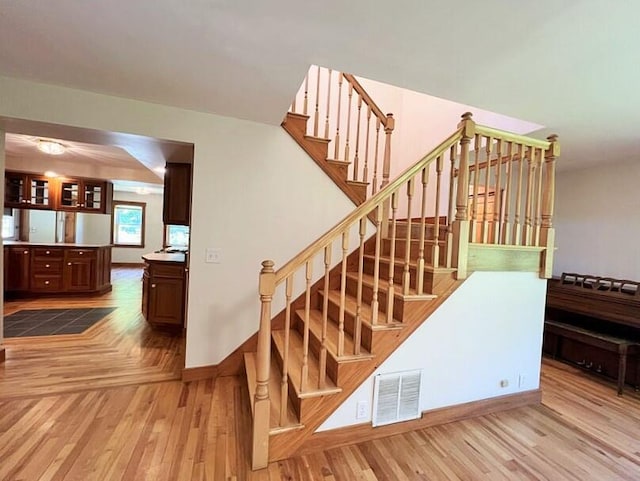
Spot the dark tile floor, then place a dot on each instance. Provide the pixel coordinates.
(48, 322)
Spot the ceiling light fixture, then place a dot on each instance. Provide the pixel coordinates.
(51, 147)
(50, 173)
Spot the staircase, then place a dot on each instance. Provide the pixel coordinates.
(347, 301)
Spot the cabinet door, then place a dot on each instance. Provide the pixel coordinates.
(80, 270)
(145, 294)
(177, 194)
(96, 196)
(17, 268)
(40, 192)
(165, 301)
(69, 194)
(15, 185)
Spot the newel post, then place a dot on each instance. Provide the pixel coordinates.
(547, 232)
(461, 223)
(260, 446)
(386, 170)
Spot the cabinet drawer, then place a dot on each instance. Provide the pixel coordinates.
(48, 253)
(175, 271)
(43, 282)
(47, 266)
(81, 254)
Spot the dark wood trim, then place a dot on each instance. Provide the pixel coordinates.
(2, 354)
(365, 432)
(127, 264)
(117, 203)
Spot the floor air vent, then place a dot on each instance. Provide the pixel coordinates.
(396, 397)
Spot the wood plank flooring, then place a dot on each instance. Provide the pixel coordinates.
(174, 431)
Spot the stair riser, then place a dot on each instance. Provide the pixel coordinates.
(367, 296)
(399, 273)
(401, 246)
(293, 399)
(315, 345)
(349, 323)
(429, 230)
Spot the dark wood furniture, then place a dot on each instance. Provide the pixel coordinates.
(594, 322)
(163, 289)
(57, 269)
(29, 191)
(177, 194)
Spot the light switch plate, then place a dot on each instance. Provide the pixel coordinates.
(213, 255)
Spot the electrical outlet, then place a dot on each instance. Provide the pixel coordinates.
(521, 380)
(362, 410)
(213, 255)
(504, 383)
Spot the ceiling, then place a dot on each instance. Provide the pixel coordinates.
(571, 66)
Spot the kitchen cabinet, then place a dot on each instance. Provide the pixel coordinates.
(163, 289)
(30, 191)
(38, 269)
(177, 194)
(85, 195)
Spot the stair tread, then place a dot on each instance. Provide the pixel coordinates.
(350, 305)
(315, 326)
(275, 395)
(412, 263)
(317, 139)
(310, 388)
(295, 114)
(357, 182)
(339, 162)
(383, 285)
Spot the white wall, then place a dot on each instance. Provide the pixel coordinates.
(153, 227)
(468, 345)
(256, 195)
(597, 221)
(42, 226)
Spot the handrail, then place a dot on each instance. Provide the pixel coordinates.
(364, 208)
(365, 97)
(511, 137)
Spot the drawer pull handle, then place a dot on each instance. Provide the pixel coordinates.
(47, 266)
(46, 283)
(25, 252)
(48, 252)
(153, 286)
(68, 263)
(80, 252)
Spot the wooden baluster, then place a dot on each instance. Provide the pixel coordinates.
(375, 305)
(343, 292)
(306, 95)
(326, 122)
(406, 275)
(284, 383)
(386, 161)
(506, 226)
(487, 191)
(346, 145)
(538, 207)
(316, 116)
(293, 104)
(375, 162)
(325, 318)
(547, 232)
(356, 157)
(517, 225)
(392, 256)
(450, 212)
(357, 328)
(435, 255)
(365, 172)
(497, 198)
(304, 375)
(423, 226)
(262, 403)
(476, 185)
(526, 235)
(336, 151)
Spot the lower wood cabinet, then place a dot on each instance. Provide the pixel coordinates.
(163, 291)
(41, 270)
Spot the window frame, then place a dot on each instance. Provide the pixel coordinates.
(125, 203)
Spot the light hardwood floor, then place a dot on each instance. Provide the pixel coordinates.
(167, 430)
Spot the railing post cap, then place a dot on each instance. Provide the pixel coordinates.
(468, 126)
(267, 265)
(553, 138)
(554, 148)
(467, 116)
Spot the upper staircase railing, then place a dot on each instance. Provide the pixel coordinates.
(489, 187)
(341, 111)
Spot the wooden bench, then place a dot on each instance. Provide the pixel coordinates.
(622, 347)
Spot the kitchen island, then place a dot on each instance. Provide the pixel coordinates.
(163, 289)
(37, 269)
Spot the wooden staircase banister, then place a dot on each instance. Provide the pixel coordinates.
(511, 137)
(366, 98)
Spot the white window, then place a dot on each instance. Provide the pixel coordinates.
(177, 236)
(127, 228)
(8, 227)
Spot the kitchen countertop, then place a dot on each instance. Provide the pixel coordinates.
(165, 257)
(49, 244)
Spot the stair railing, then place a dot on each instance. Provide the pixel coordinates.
(340, 110)
(400, 250)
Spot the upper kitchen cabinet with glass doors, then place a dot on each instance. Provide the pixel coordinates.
(29, 191)
(85, 195)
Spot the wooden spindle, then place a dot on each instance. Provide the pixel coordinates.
(293, 104)
(406, 274)
(450, 212)
(337, 139)
(375, 304)
(528, 204)
(487, 191)
(316, 116)
(284, 383)
(346, 145)
(435, 255)
(357, 328)
(305, 102)
(343, 292)
(386, 160)
(304, 375)
(497, 207)
(374, 181)
(365, 172)
(356, 157)
(322, 361)
(423, 225)
(262, 403)
(538, 206)
(517, 225)
(506, 226)
(326, 122)
(476, 186)
(392, 256)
